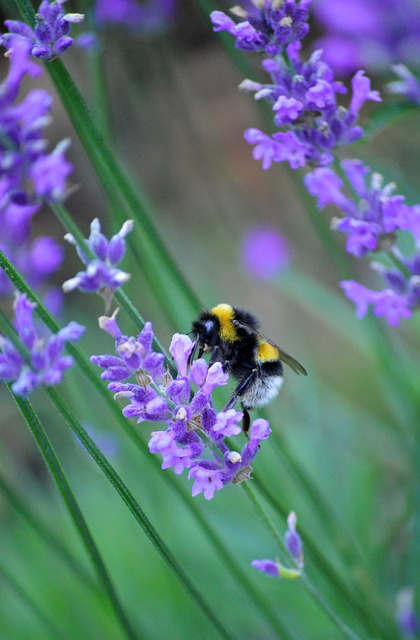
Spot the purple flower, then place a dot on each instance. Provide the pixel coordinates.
(45, 363)
(408, 85)
(145, 17)
(50, 172)
(37, 259)
(265, 253)
(216, 377)
(226, 424)
(195, 433)
(303, 95)
(180, 348)
(133, 354)
(207, 480)
(361, 236)
(265, 148)
(360, 295)
(260, 430)
(407, 618)
(29, 173)
(177, 458)
(392, 306)
(373, 40)
(361, 92)
(101, 274)
(293, 544)
(326, 186)
(268, 27)
(292, 539)
(49, 38)
(387, 303)
(372, 218)
(267, 566)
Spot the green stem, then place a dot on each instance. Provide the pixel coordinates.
(130, 501)
(53, 631)
(60, 479)
(398, 264)
(48, 537)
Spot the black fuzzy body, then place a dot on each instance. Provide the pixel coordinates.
(231, 336)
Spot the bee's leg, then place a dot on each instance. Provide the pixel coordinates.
(194, 349)
(215, 356)
(246, 422)
(240, 390)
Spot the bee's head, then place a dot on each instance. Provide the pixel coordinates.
(206, 329)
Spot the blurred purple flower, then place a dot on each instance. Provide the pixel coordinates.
(145, 17)
(31, 173)
(36, 259)
(375, 40)
(407, 618)
(195, 434)
(88, 41)
(387, 303)
(107, 442)
(49, 38)
(46, 364)
(407, 86)
(293, 540)
(371, 220)
(294, 545)
(266, 566)
(265, 252)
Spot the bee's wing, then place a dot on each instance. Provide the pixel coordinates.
(289, 360)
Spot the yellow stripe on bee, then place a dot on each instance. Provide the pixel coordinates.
(267, 352)
(225, 315)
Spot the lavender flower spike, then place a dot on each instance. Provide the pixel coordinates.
(50, 36)
(29, 172)
(292, 539)
(371, 220)
(408, 85)
(294, 546)
(45, 363)
(303, 95)
(194, 437)
(101, 274)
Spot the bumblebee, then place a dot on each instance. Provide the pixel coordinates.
(232, 337)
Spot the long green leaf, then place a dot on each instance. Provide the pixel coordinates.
(52, 462)
(54, 632)
(21, 506)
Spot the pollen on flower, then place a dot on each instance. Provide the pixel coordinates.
(286, 21)
(234, 457)
(181, 414)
